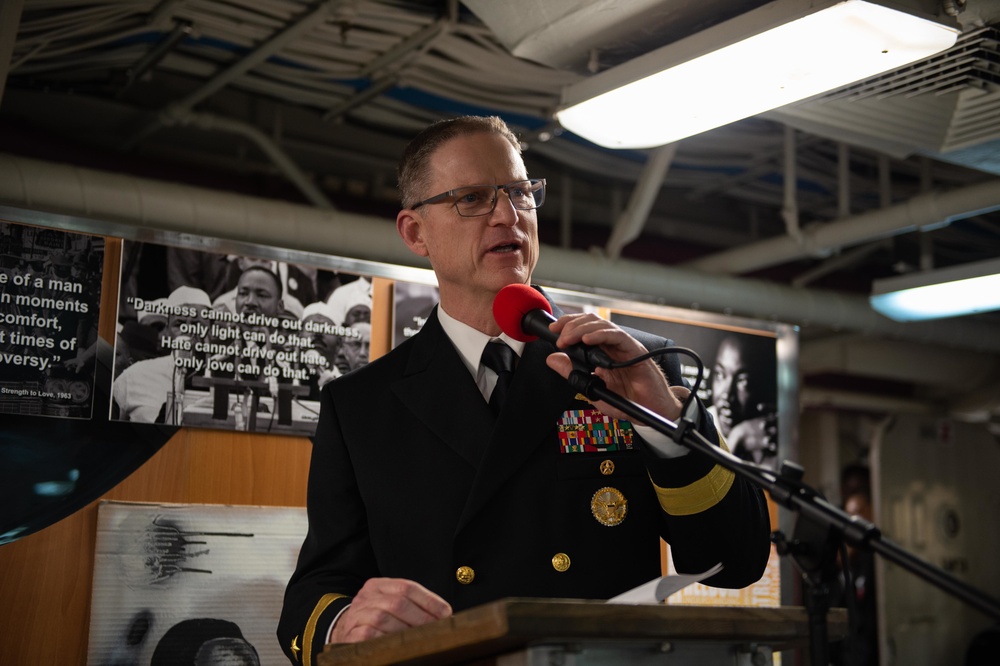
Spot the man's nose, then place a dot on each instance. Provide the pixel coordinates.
(504, 211)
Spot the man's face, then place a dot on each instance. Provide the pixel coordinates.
(354, 350)
(324, 343)
(473, 257)
(257, 293)
(358, 313)
(730, 386)
(858, 505)
(181, 325)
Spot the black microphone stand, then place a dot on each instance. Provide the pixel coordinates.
(820, 526)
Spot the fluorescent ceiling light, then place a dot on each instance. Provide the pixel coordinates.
(780, 53)
(948, 292)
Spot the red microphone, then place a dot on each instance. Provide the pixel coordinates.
(524, 314)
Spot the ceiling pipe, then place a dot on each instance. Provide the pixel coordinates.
(416, 44)
(160, 50)
(927, 210)
(566, 211)
(824, 398)
(756, 299)
(843, 180)
(225, 76)
(285, 164)
(375, 89)
(630, 223)
(790, 207)
(156, 205)
(838, 262)
(10, 19)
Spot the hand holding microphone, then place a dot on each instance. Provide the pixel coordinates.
(524, 314)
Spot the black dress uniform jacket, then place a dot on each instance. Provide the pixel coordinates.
(411, 478)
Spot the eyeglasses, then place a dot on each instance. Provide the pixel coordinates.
(479, 200)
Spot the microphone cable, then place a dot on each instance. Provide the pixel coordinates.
(663, 352)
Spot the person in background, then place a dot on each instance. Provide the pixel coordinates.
(743, 401)
(352, 302)
(355, 348)
(320, 347)
(154, 319)
(141, 391)
(424, 499)
(204, 642)
(289, 302)
(860, 647)
(254, 366)
(135, 342)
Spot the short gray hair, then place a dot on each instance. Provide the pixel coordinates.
(414, 173)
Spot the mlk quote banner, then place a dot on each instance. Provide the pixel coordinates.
(50, 293)
(233, 342)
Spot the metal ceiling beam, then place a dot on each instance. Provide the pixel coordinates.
(629, 225)
(264, 51)
(387, 66)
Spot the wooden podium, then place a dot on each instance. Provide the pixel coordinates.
(525, 632)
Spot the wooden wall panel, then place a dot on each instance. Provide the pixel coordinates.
(45, 578)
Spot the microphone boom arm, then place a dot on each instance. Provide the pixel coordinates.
(787, 489)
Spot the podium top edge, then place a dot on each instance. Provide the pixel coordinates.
(512, 623)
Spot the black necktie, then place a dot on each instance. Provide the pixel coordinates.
(499, 358)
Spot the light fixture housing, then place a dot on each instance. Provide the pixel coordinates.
(776, 54)
(948, 292)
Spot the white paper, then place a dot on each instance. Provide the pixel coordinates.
(658, 589)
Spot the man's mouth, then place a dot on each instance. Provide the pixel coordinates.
(505, 248)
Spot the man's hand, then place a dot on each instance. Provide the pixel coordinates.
(385, 605)
(643, 383)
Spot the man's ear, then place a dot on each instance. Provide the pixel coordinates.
(410, 227)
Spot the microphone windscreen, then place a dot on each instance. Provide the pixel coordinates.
(512, 303)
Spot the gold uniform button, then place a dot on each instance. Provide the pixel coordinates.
(607, 467)
(560, 562)
(465, 575)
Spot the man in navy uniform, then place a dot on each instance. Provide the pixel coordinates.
(422, 502)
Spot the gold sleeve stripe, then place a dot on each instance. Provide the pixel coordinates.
(703, 494)
(310, 633)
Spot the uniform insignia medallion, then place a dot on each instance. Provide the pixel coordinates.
(590, 431)
(609, 506)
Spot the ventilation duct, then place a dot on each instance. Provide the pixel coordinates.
(63, 189)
